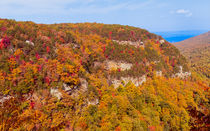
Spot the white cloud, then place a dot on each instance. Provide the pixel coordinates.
(187, 13)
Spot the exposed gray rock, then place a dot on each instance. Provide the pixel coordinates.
(84, 84)
(93, 102)
(76, 45)
(109, 65)
(136, 81)
(4, 98)
(29, 42)
(158, 73)
(162, 41)
(66, 87)
(136, 43)
(77, 90)
(56, 93)
(182, 74)
(97, 64)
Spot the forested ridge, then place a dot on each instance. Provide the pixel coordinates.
(59, 77)
(197, 51)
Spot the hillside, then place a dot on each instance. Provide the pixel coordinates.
(197, 51)
(194, 42)
(91, 76)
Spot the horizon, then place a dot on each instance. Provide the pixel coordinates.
(152, 15)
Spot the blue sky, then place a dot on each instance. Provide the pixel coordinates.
(153, 15)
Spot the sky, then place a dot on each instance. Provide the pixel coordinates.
(153, 15)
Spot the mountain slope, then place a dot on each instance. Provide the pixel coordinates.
(194, 42)
(197, 51)
(95, 77)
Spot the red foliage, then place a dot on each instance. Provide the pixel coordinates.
(39, 67)
(99, 92)
(47, 80)
(152, 128)
(132, 33)
(46, 60)
(173, 62)
(112, 51)
(48, 49)
(31, 62)
(83, 124)
(43, 45)
(110, 35)
(32, 104)
(23, 62)
(118, 128)
(113, 95)
(37, 56)
(17, 57)
(73, 74)
(3, 29)
(1, 45)
(5, 42)
(104, 49)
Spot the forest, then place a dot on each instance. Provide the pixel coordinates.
(54, 77)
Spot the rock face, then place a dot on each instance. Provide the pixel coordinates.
(4, 98)
(136, 81)
(76, 90)
(75, 45)
(162, 41)
(159, 73)
(84, 84)
(29, 42)
(56, 93)
(93, 102)
(182, 74)
(110, 65)
(66, 87)
(136, 43)
(122, 66)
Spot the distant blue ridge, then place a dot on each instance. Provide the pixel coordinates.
(177, 36)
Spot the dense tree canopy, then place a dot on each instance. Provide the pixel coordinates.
(49, 80)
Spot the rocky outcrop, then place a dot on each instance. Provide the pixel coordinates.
(56, 93)
(159, 73)
(29, 43)
(98, 64)
(66, 87)
(136, 43)
(4, 98)
(182, 74)
(112, 65)
(136, 81)
(74, 45)
(93, 102)
(76, 90)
